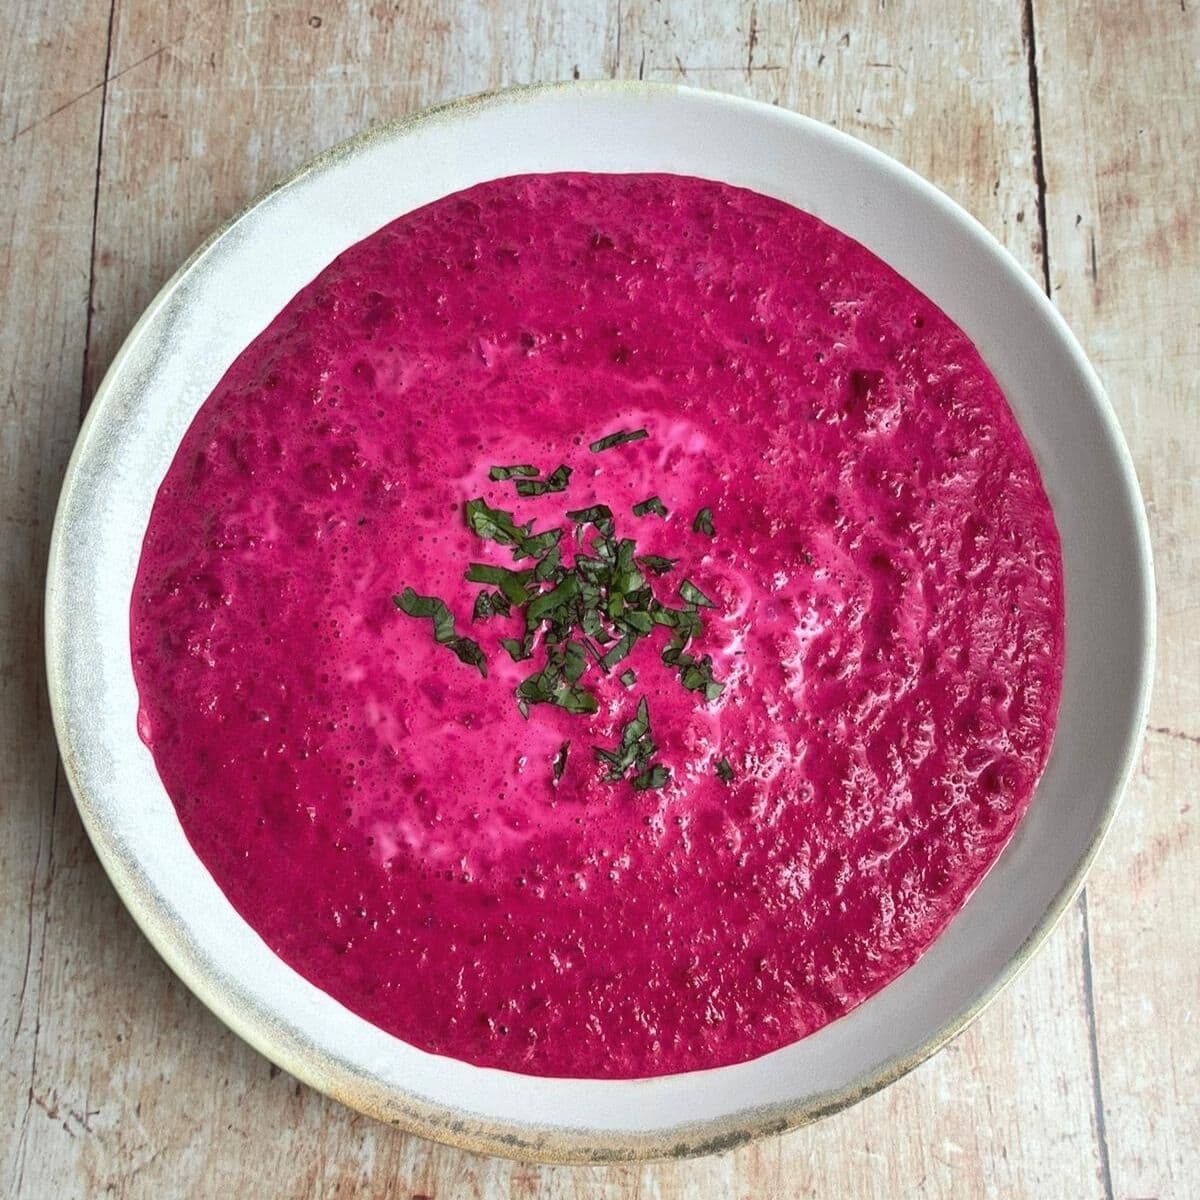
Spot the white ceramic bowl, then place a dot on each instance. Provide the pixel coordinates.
(229, 291)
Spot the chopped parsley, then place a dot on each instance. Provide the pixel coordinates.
(725, 771)
(499, 474)
(704, 523)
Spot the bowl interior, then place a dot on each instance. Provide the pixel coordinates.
(230, 291)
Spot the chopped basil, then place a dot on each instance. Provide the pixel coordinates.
(592, 611)
(470, 653)
(519, 649)
(651, 505)
(618, 439)
(693, 595)
(413, 605)
(498, 474)
(698, 677)
(724, 770)
(556, 481)
(599, 515)
(496, 525)
(617, 651)
(654, 776)
(435, 610)
(656, 564)
(512, 584)
(635, 750)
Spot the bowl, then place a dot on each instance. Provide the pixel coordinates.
(229, 291)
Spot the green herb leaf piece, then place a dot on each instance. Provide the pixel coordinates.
(556, 481)
(704, 522)
(469, 652)
(512, 584)
(599, 515)
(496, 525)
(435, 610)
(651, 505)
(519, 649)
(628, 678)
(693, 595)
(617, 651)
(492, 524)
(698, 677)
(656, 564)
(725, 771)
(499, 474)
(654, 776)
(617, 439)
(547, 602)
(414, 605)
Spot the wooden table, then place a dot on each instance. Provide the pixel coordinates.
(129, 128)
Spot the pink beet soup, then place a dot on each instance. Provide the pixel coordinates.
(714, 758)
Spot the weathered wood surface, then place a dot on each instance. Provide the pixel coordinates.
(129, 128)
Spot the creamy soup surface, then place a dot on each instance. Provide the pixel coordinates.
(628, 866)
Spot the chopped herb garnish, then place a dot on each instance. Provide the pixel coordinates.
(435, 610)
(651, 505)
(656, 564)
(724, 770)
(519, 649)
(512, 584)
(499, 474)
(618, 650)
(496, 525)
(704, 522)
(556, 481)
(590, 611)
(599, 515)
(618, 439)
(635, 750)
(698, 677)
(693, 595)
(560, 761)
(654, 776)
(470, 653)
(413, 605)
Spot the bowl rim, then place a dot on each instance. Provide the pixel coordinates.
(493, 1137)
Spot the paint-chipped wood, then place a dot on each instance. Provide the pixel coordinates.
(1081, 1080)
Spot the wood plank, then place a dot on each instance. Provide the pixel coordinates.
(49, 121)
(1121, 112)
(206, 108)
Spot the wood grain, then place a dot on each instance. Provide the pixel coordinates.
(1122, 143)
(117, 1081)
(50, 104)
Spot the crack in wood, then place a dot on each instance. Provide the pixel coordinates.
(1029, 34)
